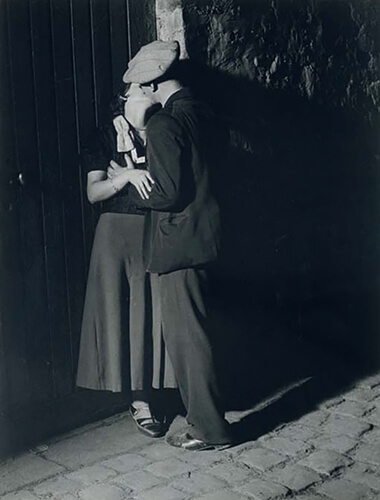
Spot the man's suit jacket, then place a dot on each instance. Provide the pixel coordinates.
(183, 220)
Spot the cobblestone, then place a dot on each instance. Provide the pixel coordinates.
(325, 461)
(230, 473)
(221, 495)
(331, 453)
(126, 463)
(24, 495)
(362, 394)
(90, 475)
(363, 474)
(25, 470)
(261, 489)
(346, 426)
(198, 483)
(165, 493)
(339, 489)
(57, 487)
(352, 408)
(137, 481)
(170, 468)
(339, 443)
(102, 492)
(261, 459)
(368, 453)
(287, 446)
(295, 477)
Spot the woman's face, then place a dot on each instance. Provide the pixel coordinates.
(137, 107)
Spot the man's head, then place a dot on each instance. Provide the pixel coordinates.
(152, 66)
(152, 62)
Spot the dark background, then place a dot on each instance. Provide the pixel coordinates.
(295, 86)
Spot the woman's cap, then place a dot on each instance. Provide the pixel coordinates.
(152, 62)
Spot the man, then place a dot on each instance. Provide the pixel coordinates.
(181, 237)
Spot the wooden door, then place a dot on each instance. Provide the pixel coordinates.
(61, 61)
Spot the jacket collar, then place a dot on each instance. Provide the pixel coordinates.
(179, 94)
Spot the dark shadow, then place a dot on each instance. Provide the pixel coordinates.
(296, 288)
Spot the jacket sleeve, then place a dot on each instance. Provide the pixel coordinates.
(165, 150)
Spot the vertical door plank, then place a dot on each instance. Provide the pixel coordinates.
(101, 46)
(119, 41)
(142, 23)
(51, 186)
(32, 229)
(13, 368)
(85, 105)
(69, 166)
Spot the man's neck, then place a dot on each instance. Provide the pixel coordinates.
(167, 89)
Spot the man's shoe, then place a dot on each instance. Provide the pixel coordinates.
(146, 422)
(188, 442)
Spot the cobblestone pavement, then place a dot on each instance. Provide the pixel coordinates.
(331, 453)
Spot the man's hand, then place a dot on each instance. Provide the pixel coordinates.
(114, 169)
(141, 179)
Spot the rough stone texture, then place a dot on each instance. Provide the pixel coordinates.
(231, 473)
(126, 463)
(25, 470)
(339, 489)
(198, 482)
(95, 445)
(363, 474)
(287, 446)
(325, 462)
(373, 416)
(102, 492)
(301, 432)
(169, 22)
(90, 475)
(368, 453)
(325, 51)
(56, 488)
(165, 493)
(221, 495)
(263, 490)
(365, 395)
(170, 468)
(23, 495)
(352, 408)
(295, 477)
(251, 471)
(297, 84)
(344, 425)
(261, 459)
(137, 481)
(341, 444)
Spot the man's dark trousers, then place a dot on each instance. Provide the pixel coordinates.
(180, 295)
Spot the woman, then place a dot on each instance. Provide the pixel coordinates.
(117, 350)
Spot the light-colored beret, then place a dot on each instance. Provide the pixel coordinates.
(151, 62)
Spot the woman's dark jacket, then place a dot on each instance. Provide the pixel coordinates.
(99, 150)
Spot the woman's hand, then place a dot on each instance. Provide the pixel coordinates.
(114, 169)
(141, 179)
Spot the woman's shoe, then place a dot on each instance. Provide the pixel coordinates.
(145, 420)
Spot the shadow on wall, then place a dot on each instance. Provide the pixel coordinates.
(298, 185)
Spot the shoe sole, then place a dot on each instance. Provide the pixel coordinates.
(144, 431)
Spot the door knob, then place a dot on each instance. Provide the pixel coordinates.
(21, 179)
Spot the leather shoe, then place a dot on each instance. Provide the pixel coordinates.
(187, 442)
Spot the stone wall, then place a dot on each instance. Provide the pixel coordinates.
(296, 84)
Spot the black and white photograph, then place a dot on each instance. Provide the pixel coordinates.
(189, 249)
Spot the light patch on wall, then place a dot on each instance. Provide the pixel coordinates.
(169, 21)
